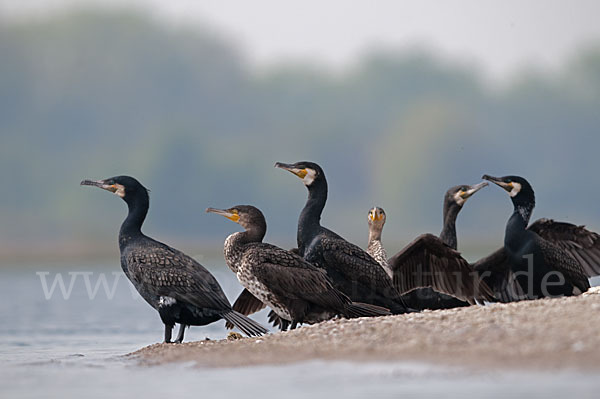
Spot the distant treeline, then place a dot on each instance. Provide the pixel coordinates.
(94, 94)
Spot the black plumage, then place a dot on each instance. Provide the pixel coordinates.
(546, 259)
(178, 287)
(430, 269)
(297, 291)
(352, 270)
(583, 245)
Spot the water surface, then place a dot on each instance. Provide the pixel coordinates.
(70, 342)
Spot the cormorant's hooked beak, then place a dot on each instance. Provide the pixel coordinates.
(231, 215)
(497, 181)
(473, 189)
(100, 183)
(301, 173)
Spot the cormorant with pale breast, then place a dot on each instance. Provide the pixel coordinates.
(430, 272)
(546, 259)
(178, 287)
(352, 270)
(376, 220)
(294, 289)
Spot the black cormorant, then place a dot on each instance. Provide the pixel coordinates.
(294, 289)
(178, 287)
(352, 270)
(429, 270)
(546, 259)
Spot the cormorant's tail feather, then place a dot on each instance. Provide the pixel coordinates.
(358, 309)
(278, 322)
(245, 324)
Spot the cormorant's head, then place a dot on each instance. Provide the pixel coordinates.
(517, 187)
(308, 172)
(460, 194)
(247, 216)
(376, 218)
(125, 187)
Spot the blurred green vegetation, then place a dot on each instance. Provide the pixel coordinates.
(95, 94)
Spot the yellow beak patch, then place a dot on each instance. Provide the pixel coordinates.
(300, 173)
(233, 217)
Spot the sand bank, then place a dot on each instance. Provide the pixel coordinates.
(544, 334)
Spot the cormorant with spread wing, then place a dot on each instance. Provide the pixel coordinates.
(178, 287)
(352, 270)
(294, 289)
(430, 269)
(546, 259)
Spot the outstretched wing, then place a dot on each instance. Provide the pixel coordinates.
(495, 271)
(165, 271)
(428, 262)
(583, 245)
(564, 263)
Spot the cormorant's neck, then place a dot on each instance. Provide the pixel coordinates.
(524, 211)
(309, 222)
(132, 226)
(374, 234)
(517, 224)
(377, 251)
(253, 233)
(235, 243)
(448, 234)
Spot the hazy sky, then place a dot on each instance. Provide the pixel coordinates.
(501, 35)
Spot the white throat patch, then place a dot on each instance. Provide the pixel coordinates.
(120, 190)
(311, 174)
(458, 199)
(516, 189)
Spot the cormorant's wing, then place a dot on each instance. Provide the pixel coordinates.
(561, 261)
(165, 271)
(357, 265)
(308, 284)
(428, 262)
(583, 245)
(495, 271)
(246, 304)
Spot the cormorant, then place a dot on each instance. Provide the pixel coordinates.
(546, 259)
(178, 287)
(294, 289)
(376, 220)
(352, 270)
(430, 271)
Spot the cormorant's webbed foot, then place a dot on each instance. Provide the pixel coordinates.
(182, 328)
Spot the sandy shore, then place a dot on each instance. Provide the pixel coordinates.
(544, 334)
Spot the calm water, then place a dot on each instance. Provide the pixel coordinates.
(68, 340)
